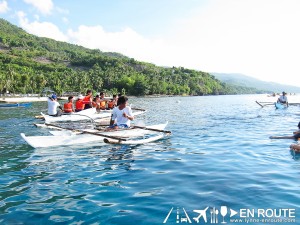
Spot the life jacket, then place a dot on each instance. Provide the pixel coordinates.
(103, 105)
(79, 105)
(94, 104)
(68, 107)
(86, 99)
(111, 104)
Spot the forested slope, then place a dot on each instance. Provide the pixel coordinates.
(28, 64)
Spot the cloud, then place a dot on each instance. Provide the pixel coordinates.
(3, 7)
(43, 6)
(126, 41)
(41, 29)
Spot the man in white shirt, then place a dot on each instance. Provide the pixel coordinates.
(121, 115)
(283, 99)
(52, 106)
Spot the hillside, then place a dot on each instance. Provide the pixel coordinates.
(243, 80)
(29, 64)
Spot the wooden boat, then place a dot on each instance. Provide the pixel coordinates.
(94, 137)
(91, 114)
(16, 105)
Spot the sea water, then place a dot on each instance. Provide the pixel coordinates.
(218, 165)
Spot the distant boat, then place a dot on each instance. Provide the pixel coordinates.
(15, 105)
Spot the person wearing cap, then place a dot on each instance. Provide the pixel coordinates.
(52, 106)
(79, 105)
(283, 99)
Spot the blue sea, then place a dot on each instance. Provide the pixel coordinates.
(219, 161)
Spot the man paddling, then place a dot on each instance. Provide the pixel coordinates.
(283, 99)
(121, 115)
(52, 106)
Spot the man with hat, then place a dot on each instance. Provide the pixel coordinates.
(52, 106)
(79, 105)
(283, 99)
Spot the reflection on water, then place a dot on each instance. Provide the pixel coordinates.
(219, 154)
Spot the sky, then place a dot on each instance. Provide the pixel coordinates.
(257, 38)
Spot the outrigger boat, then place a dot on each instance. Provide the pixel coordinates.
(83, 115)
(16, 105)
(95, 137)
(279, 105)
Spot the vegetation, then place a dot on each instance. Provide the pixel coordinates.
(29, 64)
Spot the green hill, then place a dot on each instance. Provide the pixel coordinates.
(28, 64)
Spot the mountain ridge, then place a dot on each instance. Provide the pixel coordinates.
(244, 80)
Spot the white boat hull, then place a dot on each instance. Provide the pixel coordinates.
(87, 114)
(66, 138)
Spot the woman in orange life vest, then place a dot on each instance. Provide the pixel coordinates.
(68, 107)
(110, 104)
(88, 99)
(79, 104)
(102, 101)
(113, 102)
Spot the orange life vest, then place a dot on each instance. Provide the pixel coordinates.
(110, 104)
(86, 99)
(103, 105)
(79, 104)
(68, 107)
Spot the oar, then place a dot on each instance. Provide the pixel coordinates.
(87, 132)
(259, 104)
(138, 109)
(282, 137)
(152, 129)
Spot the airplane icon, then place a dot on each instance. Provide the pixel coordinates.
(202, 213)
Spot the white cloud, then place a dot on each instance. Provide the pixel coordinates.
(41, 29)
(43, 6)
(3, 7)
(127, 41)
(65, 20)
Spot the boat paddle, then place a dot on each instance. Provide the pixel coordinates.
(152, 129)
(282, 137)
(87, 132)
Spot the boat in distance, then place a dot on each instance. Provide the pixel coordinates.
(95, 137)
(16, 105)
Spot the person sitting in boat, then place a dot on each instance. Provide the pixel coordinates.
(68, 106)
(52, 106)
(96, 103)
(88, 99)
(102, 101)
(115, 99)
(79, 105)
(283, 99)
(110, 104)
(121, 115)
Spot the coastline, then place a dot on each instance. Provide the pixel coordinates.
(22, 99)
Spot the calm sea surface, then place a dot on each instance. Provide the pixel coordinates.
(219, 154)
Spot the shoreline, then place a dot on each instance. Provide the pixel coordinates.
(22, 99)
